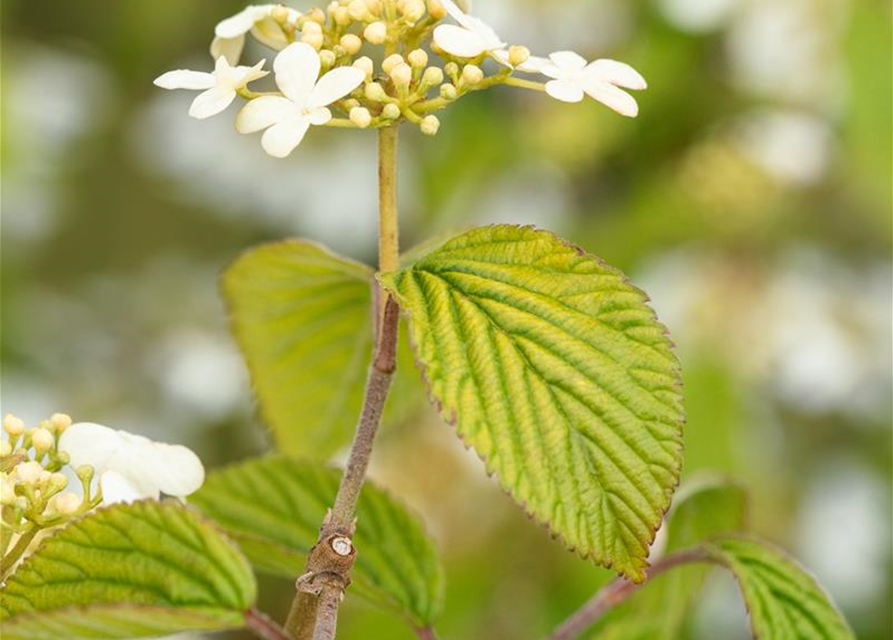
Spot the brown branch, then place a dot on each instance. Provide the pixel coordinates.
(617, 592)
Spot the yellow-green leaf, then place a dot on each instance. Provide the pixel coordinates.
(273, 507)
(783, 600)
(553, 367)
(129, 571)
(302, 317)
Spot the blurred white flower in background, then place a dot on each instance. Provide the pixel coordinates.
(131, 467)
(794, 146)
(699, 16)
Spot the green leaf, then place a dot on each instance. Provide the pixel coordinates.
(302, 317)
(273, 507)
(554, 369)
(128, 571)
(784, 601)
(705, 507)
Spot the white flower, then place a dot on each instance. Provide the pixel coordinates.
(132, 467)
(229, 35)
(287, 118)
(602, 79)
(219, 87)
(469, 40)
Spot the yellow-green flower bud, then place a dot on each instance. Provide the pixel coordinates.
(432, 77)
(376, 33)
(375, 92)
(351, 43)
(327, 58)
(279, 14)
(436, 9)
(42, 440)
(391, 61)
(430, 125)
(67, 503)
(472, 74)
(401, 74)
(451, 69)
(418, 59)
(413, 10)
(361, 117)
(341, 16)
(391, 111)
(365, 65)
(13, 425)
(315, 40)
(518, 55)
(448, 91)
(61, 421)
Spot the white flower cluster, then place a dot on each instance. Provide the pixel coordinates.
(32, 482)
(319, 68)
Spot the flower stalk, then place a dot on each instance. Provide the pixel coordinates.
(314, 610)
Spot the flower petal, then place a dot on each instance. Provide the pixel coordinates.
(455, 12)
(269, 33)
(244, 75)
(90, 443)
(173, 469)
(537, 64)
(297, 69)
(610, 96)
(229, 48)
(319, 116)
(282, 138)
(241, 23)
(568, 61)
(616, 73)
(459, 41)
(211, 102)
(334, 85)
(564, 90)
(185, 79)
(264, 112)
(116, 488)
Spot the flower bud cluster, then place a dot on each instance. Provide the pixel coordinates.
(32, 487)
(350, 35)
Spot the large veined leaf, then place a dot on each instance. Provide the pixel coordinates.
(553, 367)
(128, 571)
(273, 507)
(302, 317)
(784, 601)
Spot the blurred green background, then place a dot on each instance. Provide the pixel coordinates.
(750, 199)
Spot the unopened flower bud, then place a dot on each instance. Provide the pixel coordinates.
(7, 491)
(413, 10)
(374, 7)
(436, 9)
(29, 472)
(376, 33)
(311, 27)
(391, 61)
(279, 14)
(418, 59)
(472, 74)
(448, 91)
(375, 92)
(358, 10)
(391, 111)
(316, 15)
(361, 117)
(58, 481)
(351, 43)
(401, 74)
(42, 440)
(85, 472)
(67, 503)
(61, 421)
(327, 58)
(62, 457)
(365, 65)
(451, 69)
(518, 55)
(341, 16)
(430, 125)
(315, 40)
(21, 503)
(350, 103)
(432, 77)
(13, 425)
